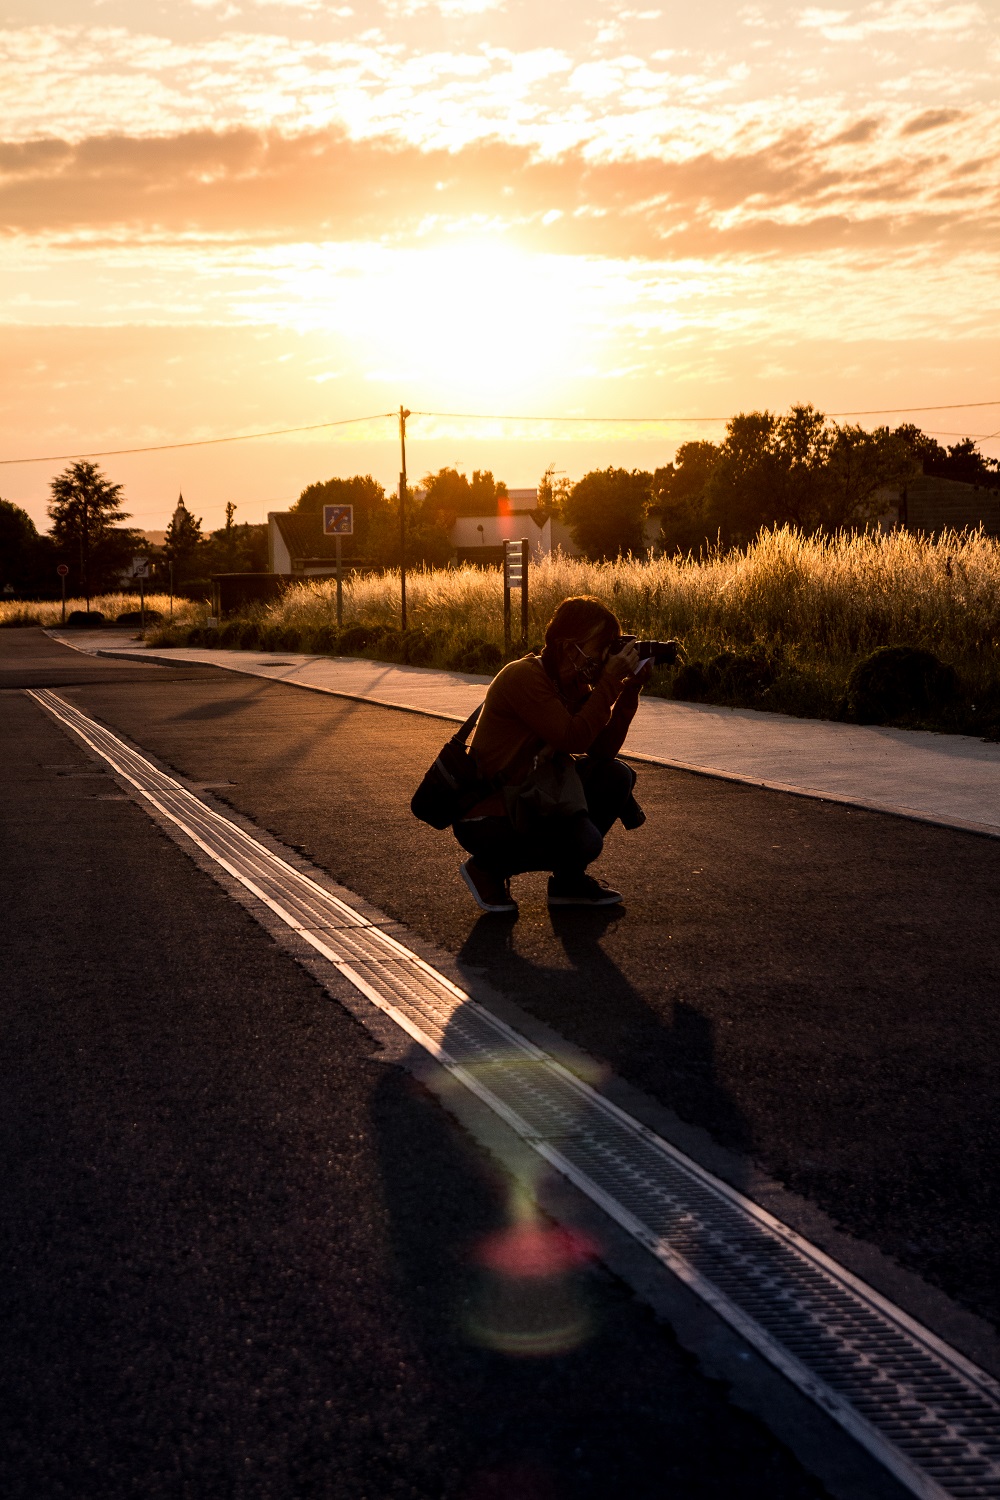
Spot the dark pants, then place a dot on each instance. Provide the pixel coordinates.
(566, 846)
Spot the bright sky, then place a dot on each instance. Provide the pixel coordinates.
(230, 215)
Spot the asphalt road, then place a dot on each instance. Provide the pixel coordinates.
(239, 1250)
(813, 984)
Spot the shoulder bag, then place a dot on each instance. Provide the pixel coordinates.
(454, 783)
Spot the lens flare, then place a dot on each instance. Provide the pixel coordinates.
(529, 1299)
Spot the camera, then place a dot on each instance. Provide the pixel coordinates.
(661, 653)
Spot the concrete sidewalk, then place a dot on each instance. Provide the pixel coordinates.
(938, 778)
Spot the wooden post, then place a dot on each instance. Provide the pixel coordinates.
(506, 598)
(340, 589)
(403, 414)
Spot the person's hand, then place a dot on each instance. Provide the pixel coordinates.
(643, 675)
(623, 664)
(638, 680)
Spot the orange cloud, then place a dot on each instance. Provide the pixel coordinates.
(262, 187)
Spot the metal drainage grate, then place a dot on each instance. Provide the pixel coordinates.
(927, 1413)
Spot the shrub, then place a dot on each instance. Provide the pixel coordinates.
(231, 634)
(690, 685)
(356, 638)
(477, 656)
(899, 682)
(739, 674)
(82, 619)
(324, 639)
(419, 646)
(134, 617)
(270, 637)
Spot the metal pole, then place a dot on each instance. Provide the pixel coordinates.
(142, 604)
(63, 580)
(525, 554)
(506, 598)
(340, 590)
(85, 552)
(403, 414)
(170, 568)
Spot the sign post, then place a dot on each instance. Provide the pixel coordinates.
(338, 521)
(62, 570)
(403, 414)
(515, 576)
(140, 570)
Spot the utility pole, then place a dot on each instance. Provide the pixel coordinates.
(403, 414)
(230, 512)
(85, 550)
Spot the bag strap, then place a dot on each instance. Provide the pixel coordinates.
(463, 734)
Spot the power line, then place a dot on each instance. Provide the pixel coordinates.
(878, 411)
(466, 416)
(236, 437)
(895, 411)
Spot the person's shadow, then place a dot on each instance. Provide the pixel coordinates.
(592, 1003)
(542, 1358)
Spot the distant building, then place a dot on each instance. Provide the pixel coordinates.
(480, 539)
(296, 546)
(930, 504)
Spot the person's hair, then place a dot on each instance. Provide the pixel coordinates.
(577, 618)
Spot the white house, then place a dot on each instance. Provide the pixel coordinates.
(481, 538)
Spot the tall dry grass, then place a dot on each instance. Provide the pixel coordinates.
(111, 606)
(797, 612)
(831, 599)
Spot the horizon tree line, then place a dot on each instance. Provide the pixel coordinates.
(797, 469)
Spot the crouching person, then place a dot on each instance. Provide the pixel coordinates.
(549, 735)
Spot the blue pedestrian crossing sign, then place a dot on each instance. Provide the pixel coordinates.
(338, 520)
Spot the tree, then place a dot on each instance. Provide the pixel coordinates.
(860, 465)
(235, 548)
(449, 494)
(374, 513)
(798, 470)
(552, 494)
(606, 511)
(24, 555)
(679, 495)
(962, 461)
(746, 488)
(183, 542)
(84, 507)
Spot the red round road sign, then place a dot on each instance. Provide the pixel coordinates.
(62, 570)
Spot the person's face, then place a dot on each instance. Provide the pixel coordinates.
(585, 659)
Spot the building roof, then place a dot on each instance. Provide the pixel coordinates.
(304, 538)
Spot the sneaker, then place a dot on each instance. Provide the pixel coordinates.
(488, 891)
(581, 890)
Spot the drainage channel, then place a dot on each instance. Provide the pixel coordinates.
(929, 1415)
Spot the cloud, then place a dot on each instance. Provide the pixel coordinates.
(892, 17)
(932, 119)
(856, 134)
(791, 193)
(450, 9)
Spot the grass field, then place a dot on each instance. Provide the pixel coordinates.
(780, 625)
(49, 611)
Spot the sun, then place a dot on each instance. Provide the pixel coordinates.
(474, 321)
